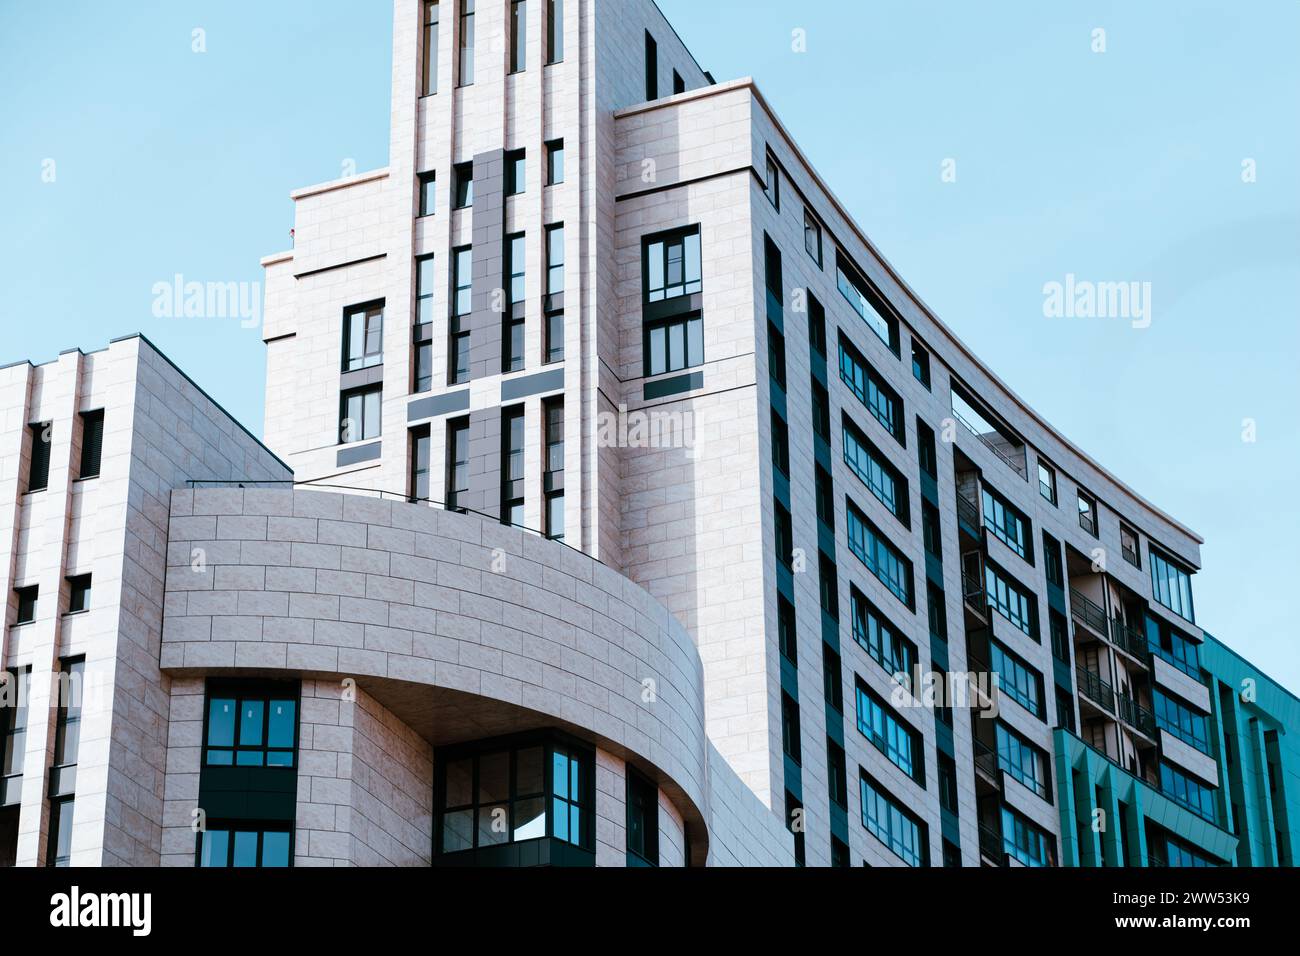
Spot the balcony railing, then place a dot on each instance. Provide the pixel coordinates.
(1089, 612)
(968, 512)
(1095, 689)
(972, 592)
(1137, 716)
(1017, 466)
(1130, 640)
(986, 761)
(991, 844)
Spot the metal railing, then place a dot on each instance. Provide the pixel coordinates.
(1130, 640)
(1088, 611)
(986, 761)
(991, 844)
(1018, 467)
(968, 512)
(1137, 716)
(1095, 689)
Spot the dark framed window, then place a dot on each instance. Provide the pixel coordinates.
(870, 389)
(786, 635)
(462, 304)
(829, 584)
(837, 774)
(1011, 599)
(812, 236)
(816, 326)
(422, 370)
(1018, 680)
(1060, 633)
(832, 678)
(776, 356)
(1025, 763)
(951, 854)
(67, 749)
(821, 411)
(642, 820)
(887, 820)
(59, 852)
(1181, 719)
(1025, 842)
(457, 480)
(27, 603)
(875, 471)
(936, 611)
(518, 36)
(251, 725)
(1171, 584)
(948, 784)
(245, 844)
(92, 443)
(866, 300)
(555, 259)
(466, 70)
(784, 534)
(428, 193)
(881, 558)
(361, 414)
(38, 473)
(794, 822)
(780, 444)
(1129, 545)
(512, 341)
(463, 184)
(931, 532)
(512, 466)
(1187, 791)
(651, 67)
(1052, 566)
(554, 31)
(1007, 523)
(516, 172)
(553, 338)
(429, 78)
(1088, 513)
(920, 363)
(555, 162)
(1047, 481)
(421, 455)
(79, 593)
(363, 336)
(13, 732)
(883, 641)
(790, 728)
(926, 453)
(825, 497)
(674, 344)
(679, 84)
(890, 734)
(672, 264)
(553, 475)
(772, 183)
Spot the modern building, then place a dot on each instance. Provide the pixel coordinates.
(630, 509)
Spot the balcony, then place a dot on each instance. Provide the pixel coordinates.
(1089, 613)
(1130, 640)
(991, 845)
(972, 584)
(968, 513)
(1137, 716)
(986, 765)
(994, 441)
(1096, 690)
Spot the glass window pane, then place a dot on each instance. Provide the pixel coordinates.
(458, 831)
(460, 782)
(561, 814)
(250, 723)
(281, 723)
(560, 775)
(249, 758)
(275, 849)
(216, 848)
(245, 848)
(220, 758)
(494, 778)
(493, 824)
(221, 722)
(530, 819)
(528, 771)
(279, 758)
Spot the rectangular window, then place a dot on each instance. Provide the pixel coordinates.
(363, 337)
(879, 638)
(251, 726)
(240, 844)
(930, 530)
(1023, 841)
(785, 629)
(829, 585)
(553, 474)
(67, 749)
(772, 271)
(360, 414)
(780, 445)
(875, 471)
(1187, 791)
(1060, 632)
(457, 482)
(1010, 599)
(870, 389)
(26, 604)
(920, 363)
(13, 733)
(1172, 647)
(422, 377)
(772, 183)
(866, 301)
(936, 611)
(1128, 545)
(790, 727)
(812, 236)
(925, 449)
(672, 265)
(555, 162)
(92, 443)
(516, 172)
(79, 593)
(794, 814)
(429, 84)
(948, 784)
(1024, 762)
(1047, 481)
(554, 31)
(1088, 514)
(881, 558)
(837, 774)
(463, 183)
(421, 455)
(889, 734)
(776, 356)
(888, 822)
(816, 326)
(1052, 561)
(38, 475)
(679, 84)
(832, 680)
(825, 497)
(462, 304)
(512, 356)
(642, 821)
(1017, 679)
(651, 68)
(674, 345)
(518, 36)
(1008, 524)
(821, 411)
(1180, 719)
(466, 42)
(428, 193)
(512, 471)
(784, 534)
(60, 836)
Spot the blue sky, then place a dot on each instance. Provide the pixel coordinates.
(1117, 166)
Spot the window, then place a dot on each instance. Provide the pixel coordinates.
(1180, 854)
(829, 585)
(555, 162)
(512, 342)
(1011, 600)
(554, 31)
(245, 844)
(1088, 514)
(553, 345)
(790, 727)
(832, 682)
(1172, 647)
(825, 497)
(363, 337)
(1017, 679)
(1060, 632)
(879, 638)
(251, 726)
(784, 534)
(67, 746)
(1008, 524)
(1046, 481)
(518, 36)
(642, 821)
(457, 481)
(1180, 719)
(1187, 791)
(462, 299)
(1025, 763)
(421, 454)
(881, 558)
(651, 67)
(498, 794)
(926, 454)
(930, 530)
(38, 475)
(772, 272)
(60, 836)
(821, 411)
(794, 823)
(674, 345)
(466, 42)
(780, 445)
(516, 172)
(951, 854)
(79, 593)
(679, 84)
(772, 183)
(1171, 585)
(1023, 841)
(26, 604)
(785, 629)
(1128, 545)
(428, 193)
(1065, 709)
(816, 326)
(429, 84)
(674, 335)
(92, 443)
(837, 774)
(937, 611)
(874, 470)
(422, 373)
(869, 305)
(512, 470)
(360, 415)
(776, 356)
(553, 475)
(1052, 561)
(948, 785)
(13, 733)
(672, 265)
(463, 183)
(888, 734)
(920, 363)
(812, 236)
(888, 822)
(870, 389)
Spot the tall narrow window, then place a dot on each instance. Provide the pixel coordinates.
(363, 337)
(553, 346)
(466, 42)
(651, 68)
(786, 633)
(462, 299)
(92, 443)
(512, 466)
(512, 358)
(772, 183)
(920, 363)
(1046, 481)
(423, 372)
(1088, 513)
(554, 31)
(553, 477)
(457, 462)
(1171, 584)
(518, 36)
(555, 162)
(428, 193)
(463, 176)
(674, 330)
(430, 84)
(816, 326)
(642, 821)
(360, 417)
(13, 733)
(1128, 545)
(812, 236)
(516, 172)
(679, 84)
(420, 457)
(790, 728)
(63, 772)
(38, 475)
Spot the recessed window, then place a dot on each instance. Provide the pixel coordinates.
(672, 265)
(875, 471)
(785, 629)
(466, 42)
(78, 593)
(428, 193)
(16, 690)
(871, 390)
(772, 183)
(462, 298)
(554, 31)
(812, 236)
(92, 443)
(516, 172)
(421, 455)
(920, 363)
(780, 444)
(790, 728)
(363, 337)
(231, 844)
(1017, 679)
(60, 836)
(816, 326)
(512, 356)
(881, 558)
(931, 532)
(883, 641)
(679, 84)
(1128, 545)
(1088, 513)
(38, 473)
(555, 162)
(837, 774)
(887, 820)
(1010, 599)
(642, 821)
(828, 585)
(784, 534)
(1007, 523)
(360, 414)
(457, 484)
(776, 356)
(825, 497)
(463, 176)
(1047, 481)
(63, 770)
(518, 36)
(888, 733)
(553, 338)
(651, 68)
(832, 678)
(1171, 584)
(869, 304)
(422, 373)
(553, 474)
(251, 727)
(429, 83)
(821, 411)
(926, 453)
(512, 466)
(26, 604)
